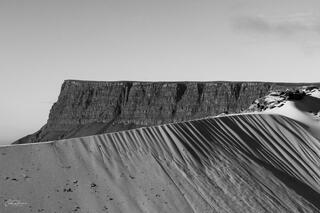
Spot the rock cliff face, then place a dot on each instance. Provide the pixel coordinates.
(87, 108)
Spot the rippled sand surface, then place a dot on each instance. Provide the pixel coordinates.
(238, 163)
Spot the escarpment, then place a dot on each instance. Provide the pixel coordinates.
(91, 107)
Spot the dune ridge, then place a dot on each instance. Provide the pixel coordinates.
(237, 163)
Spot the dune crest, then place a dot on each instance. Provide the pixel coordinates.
(238, 163)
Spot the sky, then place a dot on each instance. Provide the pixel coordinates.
(44, 42)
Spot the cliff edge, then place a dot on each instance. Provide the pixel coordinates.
(94, 107)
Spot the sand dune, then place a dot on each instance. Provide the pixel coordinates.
(305, 111)
(238, 163)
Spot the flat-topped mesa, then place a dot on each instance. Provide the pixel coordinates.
(93, 107)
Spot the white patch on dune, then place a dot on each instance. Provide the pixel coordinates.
(315, 93)
(304, 111)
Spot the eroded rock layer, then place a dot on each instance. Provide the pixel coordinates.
(88, 108)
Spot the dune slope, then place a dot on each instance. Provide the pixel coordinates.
(238, 163)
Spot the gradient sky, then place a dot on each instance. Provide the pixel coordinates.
(44, 42)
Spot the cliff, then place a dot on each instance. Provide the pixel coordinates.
(88, 107)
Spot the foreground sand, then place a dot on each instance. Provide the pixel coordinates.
(239, 163)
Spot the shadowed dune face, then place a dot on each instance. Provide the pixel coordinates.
(309, 104)
(240, 163)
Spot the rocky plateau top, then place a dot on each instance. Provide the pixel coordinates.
(92, 107)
